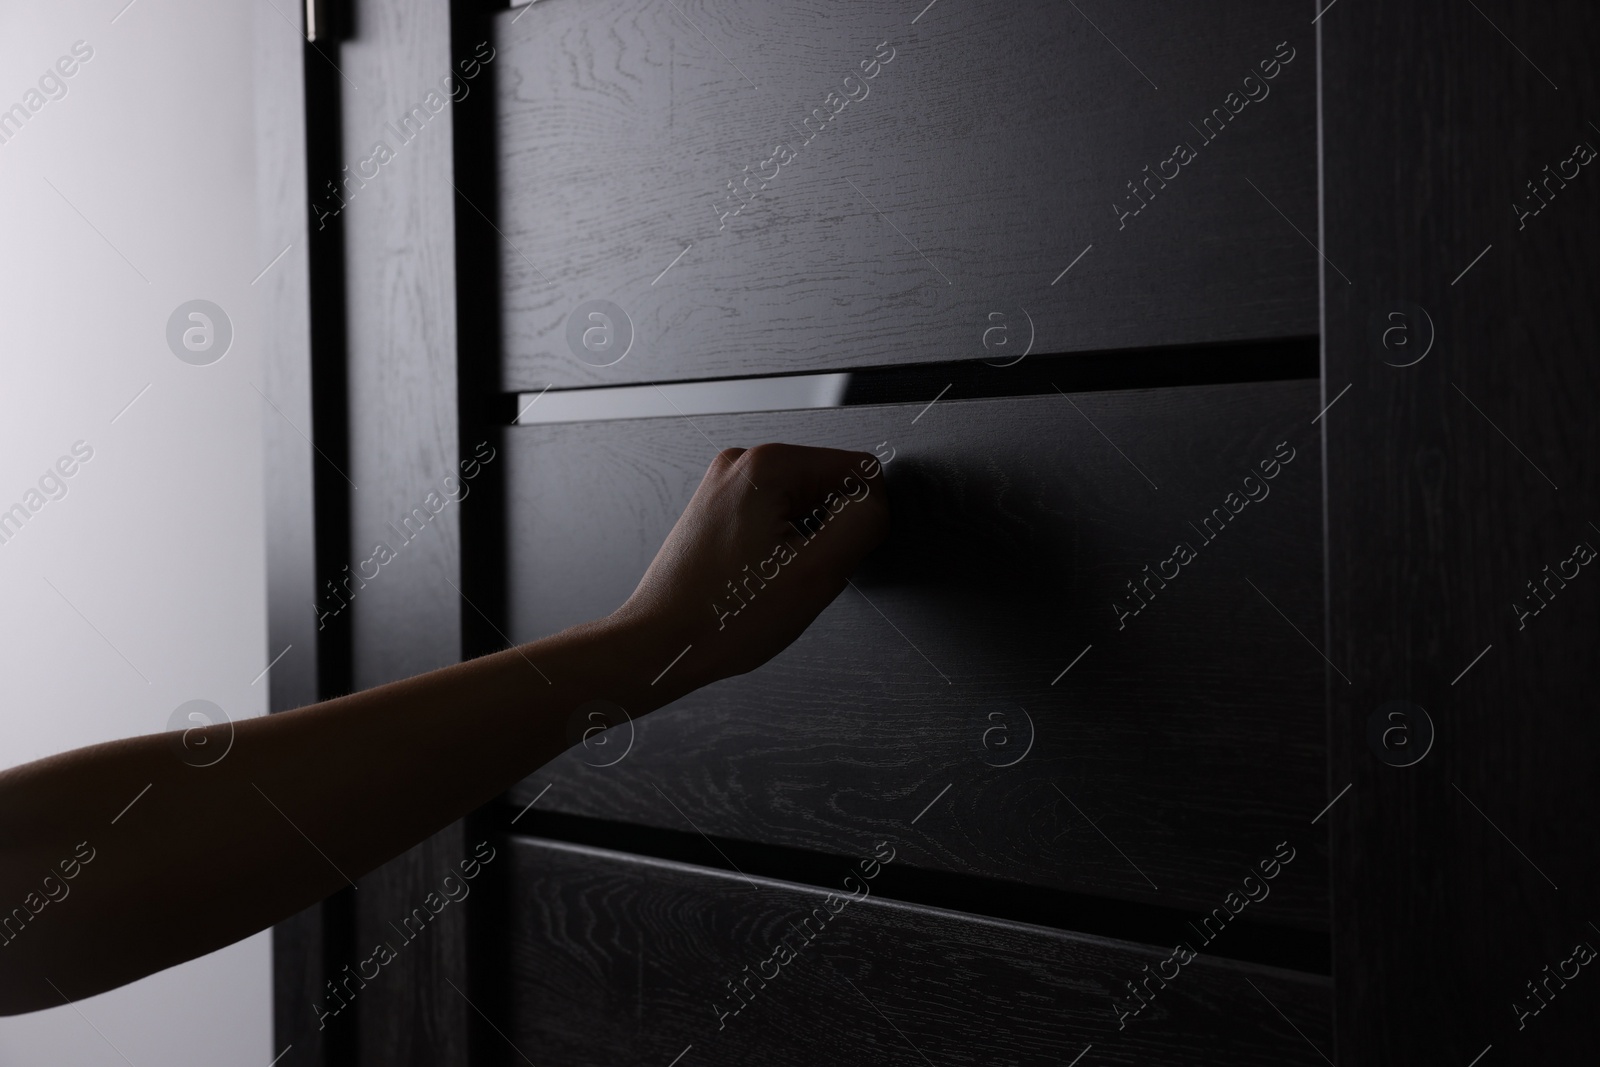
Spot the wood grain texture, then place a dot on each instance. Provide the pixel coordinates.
(1443, 504)
(400, 250)
(617, 960)
(982, 161)
(1161, 765)
(401, 315)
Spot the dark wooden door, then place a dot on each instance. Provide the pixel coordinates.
(1065, 293)
(1201, 552)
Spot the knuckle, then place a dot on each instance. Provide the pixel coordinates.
(762, 457)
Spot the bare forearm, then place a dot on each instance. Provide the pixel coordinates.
(304, 802)
(124, 858)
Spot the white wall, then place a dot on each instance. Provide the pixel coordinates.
(143, 586)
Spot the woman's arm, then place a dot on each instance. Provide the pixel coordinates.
(308, 800)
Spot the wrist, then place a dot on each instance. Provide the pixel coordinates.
(624, 660)
(643, 663)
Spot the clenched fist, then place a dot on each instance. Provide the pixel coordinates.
(769, 539)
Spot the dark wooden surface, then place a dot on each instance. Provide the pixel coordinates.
(985, 157)
(402, 407)
(1442, 505)
(1162, 764)
(289, 465)
(620, 960)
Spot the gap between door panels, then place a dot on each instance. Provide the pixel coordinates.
(1190, 365)
(1306, 951)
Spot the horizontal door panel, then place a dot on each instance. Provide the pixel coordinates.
(993, 688)
(613, 959)
(983, 178)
